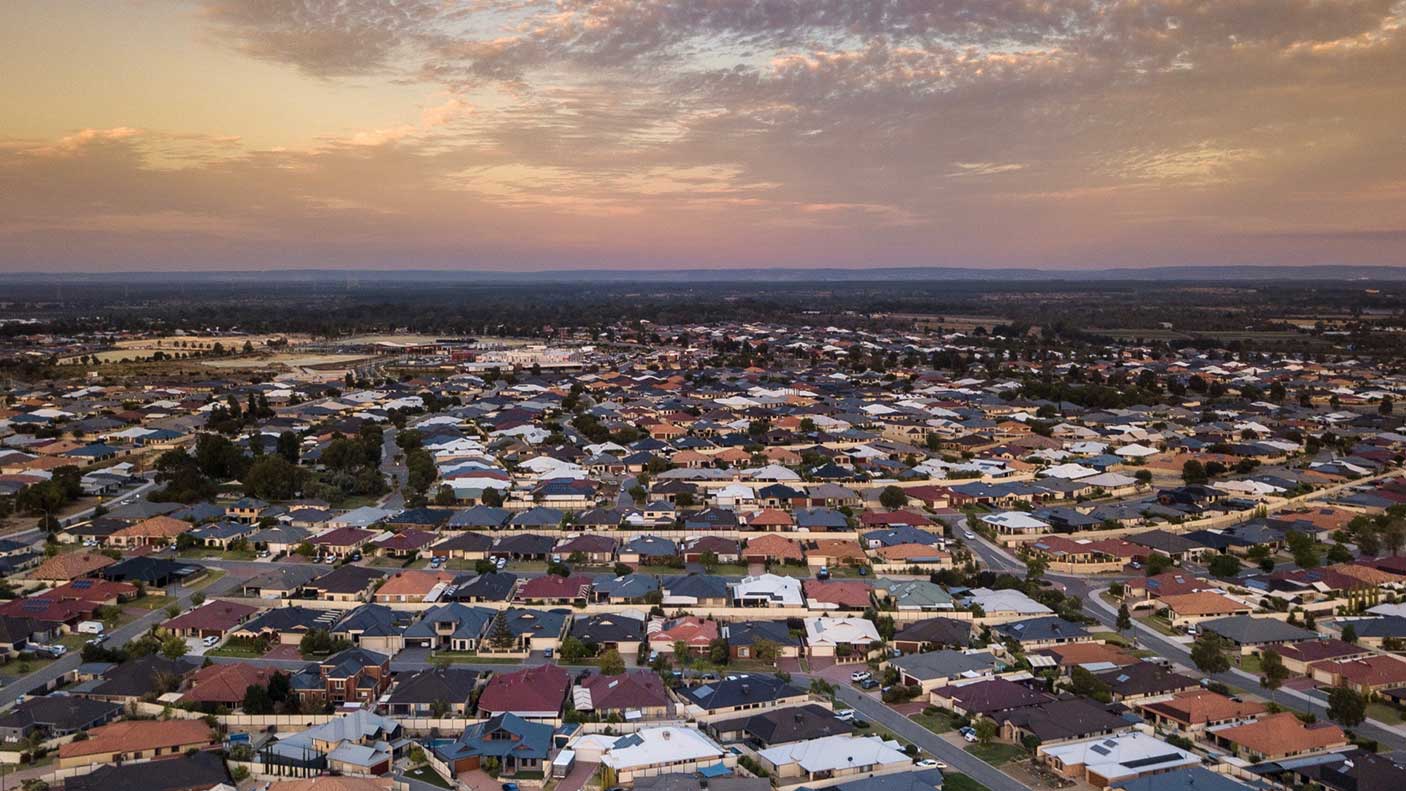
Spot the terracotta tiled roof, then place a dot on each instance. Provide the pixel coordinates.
(226, 683)
(1203, 706)
(1283, 734)
(414, 582)
(1203, 603)
(155, 527)
(71, 566)
(134, 735)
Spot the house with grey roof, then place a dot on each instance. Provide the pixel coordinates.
(937, 668)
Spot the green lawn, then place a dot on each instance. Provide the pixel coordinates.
(1113, 638)
(955, 781)
(997, 753)
(217, 553)
(151, 601)
(1381, 712)
(426, 775)
(937, 723)
(211, 575)
(1157, 624)
(471, 658)
(1251, 664)
(240, 649)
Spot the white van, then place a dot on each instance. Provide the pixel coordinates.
(90, 627)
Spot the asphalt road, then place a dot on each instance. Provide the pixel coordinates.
(395, 472)
(957, 759)
(20, 687)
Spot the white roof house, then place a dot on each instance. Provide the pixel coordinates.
(1007, 602)
(837, 631)
(1136, 451)
(1112, 758)
(1015, 522)
(772, 590)
(836, 755)
(652, 751)
(1070, 472)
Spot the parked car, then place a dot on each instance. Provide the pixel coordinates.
(211, 642)
(869, 683)
(510, 787)
(823, 573)
(930, 763)
(860, 675)
(845, 716)
(968, 733)
(969, 535)
(547, 653)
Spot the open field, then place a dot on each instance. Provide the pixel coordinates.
(289, 360)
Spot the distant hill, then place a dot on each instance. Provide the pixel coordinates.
(1203, 274)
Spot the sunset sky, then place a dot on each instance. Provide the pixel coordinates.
(165, 135)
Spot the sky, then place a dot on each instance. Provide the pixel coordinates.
(670, 134)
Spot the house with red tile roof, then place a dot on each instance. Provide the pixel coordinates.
(536, 692)
(62, 568)
(412, 585)
(1365, 675)
(158, 530)
(772, 548)
(211, 619)
(770, 519)
(405, 544)
(133, 740)
(635, 690)
(837, 594)
(225, 684)
(696, 633)
(1278, 736)
(552, 589)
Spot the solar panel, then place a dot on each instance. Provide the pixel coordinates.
(1100, 749)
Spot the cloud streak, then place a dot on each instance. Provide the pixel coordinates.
(756, 132)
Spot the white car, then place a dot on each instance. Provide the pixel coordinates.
(930, 763)
(211, 642)
(970, 536)
(860, 675)
(845, 716)
(968, 733)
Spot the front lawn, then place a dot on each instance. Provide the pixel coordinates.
(472, 658)
(1113, 638)
(937, 723)
(426, 775)
(1384, 713)
(997, 753)
(956, 781)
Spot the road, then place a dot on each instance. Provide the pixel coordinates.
(1288, 698)
(20, 687)
(397, 472)
(957, 759)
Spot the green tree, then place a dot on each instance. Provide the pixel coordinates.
(572, 649)
(1208, 652)
(288, 446)
(272, 478)
(1349, 633)
(893, 498)
(1224, 566)
(1273, 673)
(985, 728)
(257, 700)
(1346, 707)
(611, 663)
(1193, 472)
(173, 647)
(1125, 618)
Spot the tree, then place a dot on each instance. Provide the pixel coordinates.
(1224, 566)
(1157, 563)
(572, 649)
(1035, 567)
(1208, 652)
(985, 730)
(288, 446)
(1125, 618)
(1346, 707)
(1385, 406)
(1338, 553)
(1272, 669)
(257, 700)
(1305, 552)
(718, 651)
(1394, 536)
(611, 663)
(173, 647)
(491, 497)
(1349, 633)
(1193, 472)
(272, 478)
(893, 498)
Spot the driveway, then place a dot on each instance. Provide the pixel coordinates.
(580, 774)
